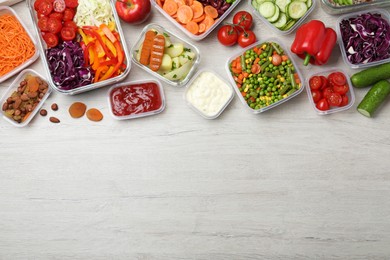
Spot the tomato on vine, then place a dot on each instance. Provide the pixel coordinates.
(246, 38)
(227, 35)
(243, 20)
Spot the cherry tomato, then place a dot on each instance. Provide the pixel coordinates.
(59, 6)
(45, 7)
(243, 19)
(36, 4)
(315, 82)
(70, 24)
(246, 38)
(345, 101)
(227, 35)
(69, 14)
(341, 89)
(42, 24)
(335, 99)
(54, 25)
(327, 92)
(51, 39)
(325, 82)
(276, 59)
(71, 3)
(58, 16)
(322, 105)
(316, 94)
(337, 78)
(68, 33)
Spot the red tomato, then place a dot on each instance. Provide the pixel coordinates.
(68, 33)
(316, 94)
(341, 89)
(243, 19)
(227, 35)
(58, 16)
(69, 14)
(133, 11)
(315, 82)
(42, 24)
(70, 24)
(59, 6)
(337, 78)
(54, 25)
(246, 38)
(256, 68)
(276, 59)
(325, 82)
(45, 7)
(322, 104)
(71, 3)
(51, 39)
(345, 101)
(327, 92)
(36, 4)
(335, 99)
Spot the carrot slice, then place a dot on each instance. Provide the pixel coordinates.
(157, 52)
(199, 19)
(170, 7)
(193, 27)
(147, 47)
(211, 11)
(197, 8)
(208, 21)
(180, 2)
(160, 3)
(189, 2)
(202, 27)
(185, 14)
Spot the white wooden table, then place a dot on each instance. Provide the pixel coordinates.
(285, 184)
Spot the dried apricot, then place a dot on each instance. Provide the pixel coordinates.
(77, 109)
(94, 114)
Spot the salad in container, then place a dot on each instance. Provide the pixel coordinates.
(81, 42)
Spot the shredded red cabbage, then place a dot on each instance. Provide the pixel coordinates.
(366, 38)
(66, 65)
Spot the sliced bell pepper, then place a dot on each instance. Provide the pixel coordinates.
(108, 32)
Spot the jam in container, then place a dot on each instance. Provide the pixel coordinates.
(136, 99)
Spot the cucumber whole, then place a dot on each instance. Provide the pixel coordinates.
(370, 76)
(374, 98)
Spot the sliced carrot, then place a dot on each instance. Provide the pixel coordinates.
(189, 2)
(202, 28)
(157, 52)
(160, 3)
(185, 14)
(26, 116)
(284, 57)
(170, 7)
(256, 61)
(208, 21)
(197, 8)
(255, 68)
(193, 27)
(180, 2)
(211, 11)
(199, 19)
(147, 47)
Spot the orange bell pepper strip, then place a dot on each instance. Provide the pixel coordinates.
(114, 69)
(98, 38)
(108, 32)
(99, 71)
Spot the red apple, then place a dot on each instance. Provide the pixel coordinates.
(133, 11)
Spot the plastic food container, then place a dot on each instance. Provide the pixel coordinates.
(9, 10)
(208, 94)
(135, 99)
(13, 87)
(174, 81)
(89, 87)
(260, 78)
(350, 94)
(385, 15)
(278, 19)
(334, 9)
(188, 33)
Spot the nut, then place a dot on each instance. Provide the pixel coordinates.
(54, 119)
(5, 106)
(54, 107)
(43, 112)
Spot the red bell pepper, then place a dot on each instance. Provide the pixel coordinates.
(314, 42)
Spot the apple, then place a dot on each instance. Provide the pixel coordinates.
(133, 11)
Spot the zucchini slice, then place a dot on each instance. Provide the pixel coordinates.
(296, 9)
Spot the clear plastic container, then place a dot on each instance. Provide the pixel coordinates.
(273, 27)
(334, 9)
(89, 87)
(9, 10)
(208, 94)
(188, 33)
(135, 51)
(385, 15)
(350, 94)
(13, 87)
(281, 101)
(151, 89)
(9, 2)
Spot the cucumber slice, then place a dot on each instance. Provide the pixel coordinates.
(296, 9)
(374, 98)
(267, 9)
(255, 4)
(281, 21)
(282, 4)
(275, 17)
(309, 3)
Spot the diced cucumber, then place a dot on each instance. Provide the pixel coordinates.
(267, 9)
(282, 4)
(296, 9)
(281, 21)
(275, 17)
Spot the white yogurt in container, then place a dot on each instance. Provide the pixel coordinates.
(208, 94)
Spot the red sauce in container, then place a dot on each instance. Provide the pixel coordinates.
(135, 99)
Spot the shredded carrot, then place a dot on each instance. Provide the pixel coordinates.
(211, 11)
(16, 47)
(185, 14)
